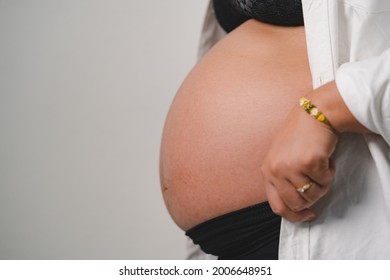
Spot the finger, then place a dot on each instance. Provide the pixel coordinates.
(322, 173)
(311, 191)
(280, 208)
(290, 196)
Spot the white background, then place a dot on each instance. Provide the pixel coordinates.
(84, 89)
(224, 270)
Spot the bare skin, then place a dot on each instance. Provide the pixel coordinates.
(224, 118)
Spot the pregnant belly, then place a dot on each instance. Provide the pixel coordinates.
(224, 117)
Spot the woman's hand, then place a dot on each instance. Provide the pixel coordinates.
(299, 156)
(298, 169)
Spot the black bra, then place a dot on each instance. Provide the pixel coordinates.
(232, 13)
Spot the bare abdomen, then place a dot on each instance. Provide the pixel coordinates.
(224, 117)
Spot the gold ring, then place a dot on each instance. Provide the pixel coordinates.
(305, 187)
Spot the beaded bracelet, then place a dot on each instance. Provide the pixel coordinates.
(313, 111)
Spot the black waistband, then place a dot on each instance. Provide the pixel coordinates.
(249, 233)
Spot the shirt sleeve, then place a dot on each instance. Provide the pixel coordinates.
(365, 88)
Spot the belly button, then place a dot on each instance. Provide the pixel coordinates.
(164, 186)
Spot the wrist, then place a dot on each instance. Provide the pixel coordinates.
(313, 111)
(328, 99)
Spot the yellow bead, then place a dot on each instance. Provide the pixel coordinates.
(321, 118)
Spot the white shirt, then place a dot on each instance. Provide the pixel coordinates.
(348, 41)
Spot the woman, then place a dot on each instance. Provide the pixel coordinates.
(235, 137)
